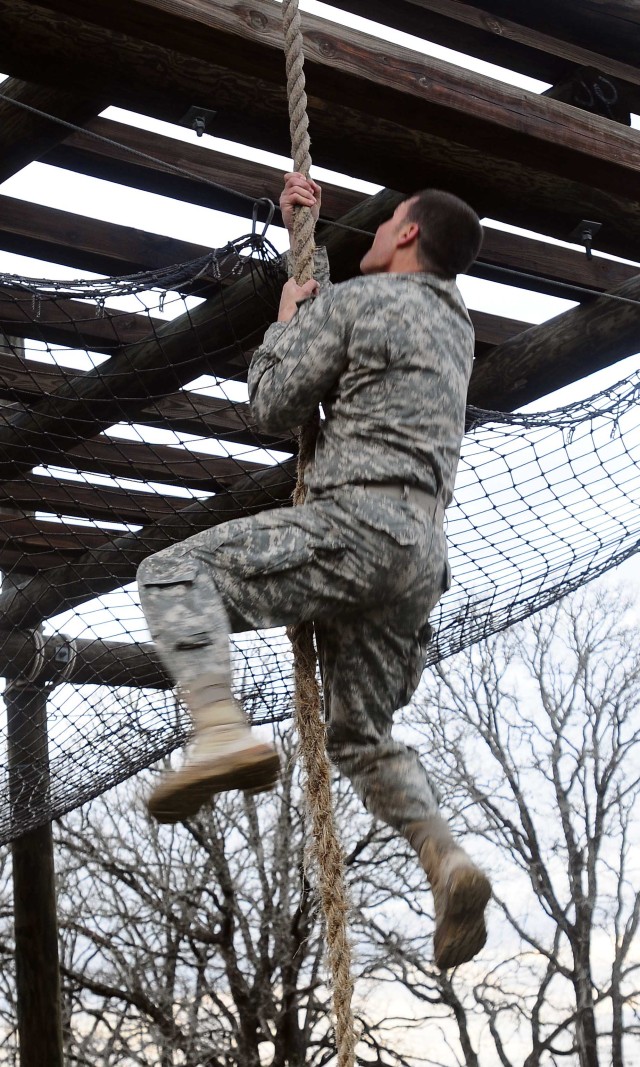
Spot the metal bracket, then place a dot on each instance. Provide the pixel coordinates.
(199, 119)
(584, 233)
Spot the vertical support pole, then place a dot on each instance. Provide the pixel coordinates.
(39, 1004)
(34, 892)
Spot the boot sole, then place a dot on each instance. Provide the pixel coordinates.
(184, 792)
(462, 931)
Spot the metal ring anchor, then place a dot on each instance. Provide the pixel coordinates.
(271, 208)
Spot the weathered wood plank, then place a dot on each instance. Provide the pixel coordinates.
(512, 35)
(548, 263)
(116, 563)
(71, 323)
(242, 178)
(144, 462)
(185, 411)
(545, 147)
(346, 64)
(609, 27)
(545, 357)
(85, 243)
(60, 497)
(25, 136)
(23, 532)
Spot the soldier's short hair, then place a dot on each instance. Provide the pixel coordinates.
(450, 231)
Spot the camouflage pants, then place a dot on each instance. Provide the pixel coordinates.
(367, 569)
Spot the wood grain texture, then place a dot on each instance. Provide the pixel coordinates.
(515, 156)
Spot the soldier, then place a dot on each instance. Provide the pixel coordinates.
(389, 356)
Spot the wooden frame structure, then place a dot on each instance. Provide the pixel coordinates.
(378, 111)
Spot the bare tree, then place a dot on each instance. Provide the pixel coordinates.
(534, 741)
(201, 945)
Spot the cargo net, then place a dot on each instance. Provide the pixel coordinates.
(125, 428)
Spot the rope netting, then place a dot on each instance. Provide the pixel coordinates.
(125, 427)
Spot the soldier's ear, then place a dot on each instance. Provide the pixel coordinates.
(408, 233)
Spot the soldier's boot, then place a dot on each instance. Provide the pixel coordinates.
(223, 754)
(461, 892)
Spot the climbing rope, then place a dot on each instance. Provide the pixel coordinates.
(326, 848)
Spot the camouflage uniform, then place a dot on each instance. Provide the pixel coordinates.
(389, 357)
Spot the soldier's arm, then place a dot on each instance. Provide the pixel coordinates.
(298, 363)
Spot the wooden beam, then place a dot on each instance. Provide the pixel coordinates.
(107, 568)
(90, 244)
(345, 64)
(61, 497)
(25, 136)
(85, 243)
(609, 27)
(545, 357)
(571, 164)
(242, 177)
(76, 324)
(94, 662)
(184, 411)
(550, 265)
(29, 538)
(144, 462)
(513, 35)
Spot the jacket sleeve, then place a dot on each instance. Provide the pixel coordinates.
(321, 271)
(298, 363)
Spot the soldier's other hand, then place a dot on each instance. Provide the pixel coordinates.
(299, 190)
(292, 294)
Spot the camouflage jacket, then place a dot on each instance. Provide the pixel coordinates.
(389, 357)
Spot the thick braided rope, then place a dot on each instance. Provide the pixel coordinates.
(326, 849)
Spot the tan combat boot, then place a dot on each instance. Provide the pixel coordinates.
(224, 754)
(461, 892)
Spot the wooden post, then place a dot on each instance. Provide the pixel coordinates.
(38, 996)
(34, 894)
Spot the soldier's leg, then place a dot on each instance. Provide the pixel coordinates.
(371, 667)
(189, 624)
(275, 568)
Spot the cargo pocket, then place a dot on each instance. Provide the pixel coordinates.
(417, 660)
(180, 574)
(172, 603)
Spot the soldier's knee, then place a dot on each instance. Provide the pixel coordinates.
(163, 568)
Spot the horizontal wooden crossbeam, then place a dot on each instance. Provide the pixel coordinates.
(102, 570)
(86, 243)
(571, 165)
(58, 496)
(25, 136)
(83, 661)
(241, 178)
(342, 61)
(542, 40)
(71, 323)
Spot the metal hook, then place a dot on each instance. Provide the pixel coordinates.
(271, 207)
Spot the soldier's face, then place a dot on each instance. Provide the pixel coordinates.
(380, 256)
